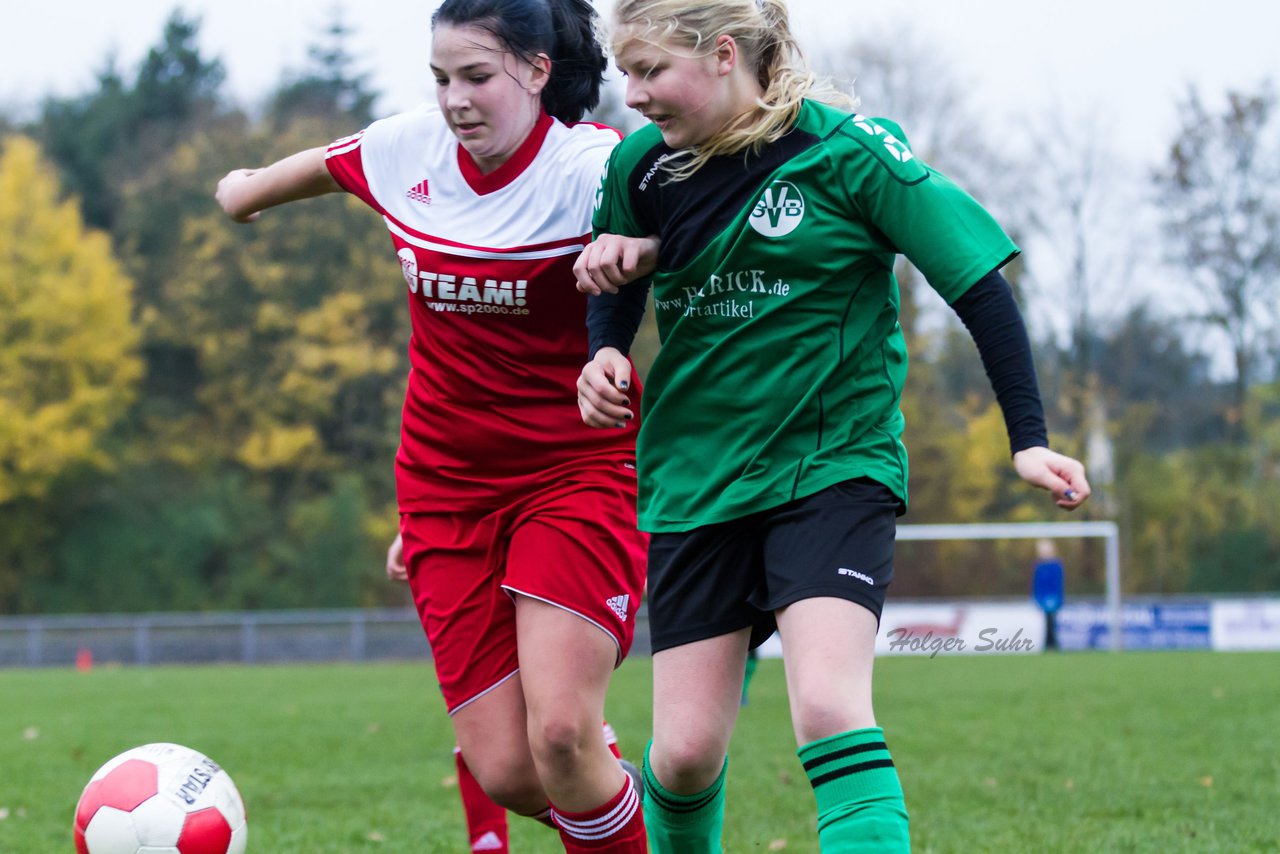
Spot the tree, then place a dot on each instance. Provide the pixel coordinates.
(294, 327)
(105, 139)
(1085, 249)
(899, 75)
(68, 365)
(174, 81)
(1161, 391)
(1084, 269)
(79, 134)
(1220, 197)
(328, 86)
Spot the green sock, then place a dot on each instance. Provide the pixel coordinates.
(682, 824)
(752, 663)
(860, 804)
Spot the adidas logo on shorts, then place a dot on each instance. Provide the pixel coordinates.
(618, 604)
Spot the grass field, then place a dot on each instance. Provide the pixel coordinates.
(1161, 752)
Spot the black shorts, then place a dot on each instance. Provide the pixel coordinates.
(724, 577)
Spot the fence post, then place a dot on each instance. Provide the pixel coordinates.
(248, 640)
(35, 645)
(358, 638)
(142, 642)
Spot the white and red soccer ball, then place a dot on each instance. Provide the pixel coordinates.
(160, 799)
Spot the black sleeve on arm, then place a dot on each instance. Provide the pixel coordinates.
(991, 315)
(612, 319)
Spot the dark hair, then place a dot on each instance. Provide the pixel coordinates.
(565, 30)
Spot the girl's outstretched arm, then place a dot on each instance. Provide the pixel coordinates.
(245, 193)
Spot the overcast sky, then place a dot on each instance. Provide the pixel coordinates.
(1123, 62)
(1118, 66)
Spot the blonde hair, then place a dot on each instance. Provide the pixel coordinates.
(762, 31)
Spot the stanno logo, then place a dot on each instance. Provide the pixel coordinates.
(779, 211)
(618, 604)
(653, 170)
(420, 192)
(861, 576)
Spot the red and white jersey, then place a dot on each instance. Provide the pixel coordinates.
(499, 330)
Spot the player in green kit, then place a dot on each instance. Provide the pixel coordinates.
(770, 457)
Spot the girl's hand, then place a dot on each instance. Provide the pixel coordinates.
(229, 192)
(1061, 475)
(602, 390)
(612, 261)
(396, 570)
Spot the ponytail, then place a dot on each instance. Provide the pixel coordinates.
(578, 62)
(565, 30)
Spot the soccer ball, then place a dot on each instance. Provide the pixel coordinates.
(160, 799)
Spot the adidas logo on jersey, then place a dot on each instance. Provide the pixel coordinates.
(487, 842)
(420, 193)
(618, 604)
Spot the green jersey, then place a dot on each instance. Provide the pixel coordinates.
(782, 360)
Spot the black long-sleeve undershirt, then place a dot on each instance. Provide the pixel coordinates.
(991, 315)
(613, 319)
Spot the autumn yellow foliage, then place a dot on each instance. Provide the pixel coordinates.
(68, 360)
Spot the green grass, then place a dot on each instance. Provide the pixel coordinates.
(1162, 752)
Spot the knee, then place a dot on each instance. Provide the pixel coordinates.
(520, 796)
(818, 714)
(686, 766)
(559, 743)
(511, 785)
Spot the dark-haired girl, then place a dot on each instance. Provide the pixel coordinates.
(517, 521)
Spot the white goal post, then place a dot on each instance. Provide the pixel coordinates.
(1108, 531)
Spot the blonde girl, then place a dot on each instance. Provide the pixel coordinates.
(770, 454)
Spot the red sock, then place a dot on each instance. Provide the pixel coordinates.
(486, 821)
(617, 826)
(611, 739)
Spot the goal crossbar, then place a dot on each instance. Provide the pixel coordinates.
(1107, 531)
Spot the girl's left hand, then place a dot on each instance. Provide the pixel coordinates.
(602, 390)
(1060, 474)
(396, 570)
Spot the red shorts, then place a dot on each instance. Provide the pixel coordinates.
(574, 545)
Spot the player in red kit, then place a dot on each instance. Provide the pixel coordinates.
(517, 521)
